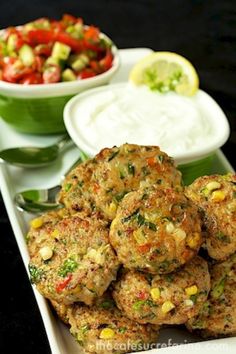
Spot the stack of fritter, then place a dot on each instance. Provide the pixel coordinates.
(121, 259)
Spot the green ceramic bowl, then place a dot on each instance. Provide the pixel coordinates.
(192, 170)
(38, 109)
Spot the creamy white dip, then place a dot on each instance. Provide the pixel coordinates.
(123, 113)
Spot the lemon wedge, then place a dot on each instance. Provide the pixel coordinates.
(166, 71)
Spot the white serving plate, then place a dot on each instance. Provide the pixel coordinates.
(14, 179)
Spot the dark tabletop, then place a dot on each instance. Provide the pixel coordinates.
(203, 31)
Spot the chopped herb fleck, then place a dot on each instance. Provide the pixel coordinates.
(169, 278)
(193, 298)
(145, 171)
(140, 219)
(122, 330)
(122, 174)
(68, 267)
(222, 237)
(138, 304)
(36, 274)
(129, 217)
(131, 169)
(80, 183)
(113, 154)
(84, 328)
(144, 196)
(218, 289)
(68, 187)
(151, 225)
(108, 304)
(118, 197)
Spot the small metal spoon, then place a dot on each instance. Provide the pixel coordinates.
(33, 157)
(37, 201)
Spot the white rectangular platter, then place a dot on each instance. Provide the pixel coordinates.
(14, 179)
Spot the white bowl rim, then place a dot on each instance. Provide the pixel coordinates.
(181, 158)
(61, 88)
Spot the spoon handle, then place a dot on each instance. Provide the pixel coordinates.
(63, 141)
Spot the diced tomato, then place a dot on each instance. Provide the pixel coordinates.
(40, 36)
(93, 46)
(92, 34)
(57, 26)
(94, 64)
(14, 70)
(86, 74)
(39, 63)
(61, 286)
(43, 49)
(8, 31)
(52, 74)
(32, 79)
(106, 62)
(75, 44)
(69, 19)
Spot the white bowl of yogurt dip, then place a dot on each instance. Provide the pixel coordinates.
(190, 129)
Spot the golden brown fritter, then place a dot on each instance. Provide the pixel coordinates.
(163, 299)
(102, 329)
(71, 258)
(99, 184)
(217, 317)
(61, 310)
(216, 196)
(156, 229)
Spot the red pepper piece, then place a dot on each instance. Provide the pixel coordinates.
(144, 248)
(142, 295)
(61, 286)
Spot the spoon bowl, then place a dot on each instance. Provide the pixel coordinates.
(36, 201)
(33, 157)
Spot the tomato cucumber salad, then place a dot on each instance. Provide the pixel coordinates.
(49, 51)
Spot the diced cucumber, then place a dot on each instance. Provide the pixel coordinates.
(68, 75)
(76, 31)
(11, 42)
(42, 24)
(52, 61)
(79, 62)
(3, 48)
(60, 51)
(26, 55)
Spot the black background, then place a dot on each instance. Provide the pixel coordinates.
(203, 30)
